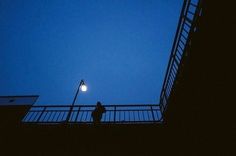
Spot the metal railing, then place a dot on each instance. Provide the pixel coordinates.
(115, 114)
(125, 114)
(187, 25)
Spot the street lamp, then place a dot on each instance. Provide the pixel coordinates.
(83, 88)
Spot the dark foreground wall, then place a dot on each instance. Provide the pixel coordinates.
(84, 140)
(201, 114)
(200, 118)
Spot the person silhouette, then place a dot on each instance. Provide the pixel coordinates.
(97, 113)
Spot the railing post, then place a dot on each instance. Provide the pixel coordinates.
(152, 114)
(114, 114)
(69, 113)
(77, 114)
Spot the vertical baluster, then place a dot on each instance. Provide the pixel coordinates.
(114, 114)
(152, 114)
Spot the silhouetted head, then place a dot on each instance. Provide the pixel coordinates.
(99, 104)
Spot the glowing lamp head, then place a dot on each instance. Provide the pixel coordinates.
(83, 88)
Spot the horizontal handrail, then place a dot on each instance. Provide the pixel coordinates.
(112, 105)
(115, 114)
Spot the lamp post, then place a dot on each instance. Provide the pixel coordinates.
(83, 88)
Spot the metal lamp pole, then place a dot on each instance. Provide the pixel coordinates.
(73, 103)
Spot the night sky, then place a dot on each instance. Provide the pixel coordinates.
(119, 47)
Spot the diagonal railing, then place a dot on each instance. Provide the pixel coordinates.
(115, 114)
(187, 25)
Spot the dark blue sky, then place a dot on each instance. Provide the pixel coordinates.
(119, 47)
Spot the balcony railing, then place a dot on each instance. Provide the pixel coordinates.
(187, 25)
(125, 114)
(115, 114)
